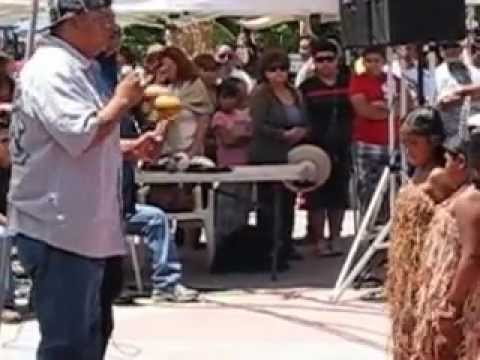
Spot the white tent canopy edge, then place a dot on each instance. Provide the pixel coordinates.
(16, 9)
(20, 8)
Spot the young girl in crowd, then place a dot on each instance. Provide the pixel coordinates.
(232, 128)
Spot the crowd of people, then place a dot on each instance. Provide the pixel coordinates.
(77, 132)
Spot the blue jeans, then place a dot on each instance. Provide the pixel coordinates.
(66, 297)
(152, 224)
(8, 288)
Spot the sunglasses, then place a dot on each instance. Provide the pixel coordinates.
(225, 56)
(276, 68)
(324, 59)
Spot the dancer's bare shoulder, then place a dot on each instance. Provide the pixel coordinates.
(437, 185)
(437, 176)
(466, 210)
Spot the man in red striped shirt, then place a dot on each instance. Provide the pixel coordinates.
(330, 113)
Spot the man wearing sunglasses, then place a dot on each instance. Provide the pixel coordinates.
(331, 116)
(229, 66)
(65, 194)
(454, 79)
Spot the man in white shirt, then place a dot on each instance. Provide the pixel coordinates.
(228, 64)
(410, 74)
(452, 78)
(65, 194)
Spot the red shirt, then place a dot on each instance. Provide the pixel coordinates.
(370, 131)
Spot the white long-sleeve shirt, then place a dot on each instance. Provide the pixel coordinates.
(64, 191)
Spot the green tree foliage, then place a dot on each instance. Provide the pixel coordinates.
(138, 37)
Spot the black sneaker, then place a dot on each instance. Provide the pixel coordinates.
(177, 294)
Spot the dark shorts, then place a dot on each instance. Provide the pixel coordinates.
(334, 194)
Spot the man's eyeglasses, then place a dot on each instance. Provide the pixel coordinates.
(324, 59)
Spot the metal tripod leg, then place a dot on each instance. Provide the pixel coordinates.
(363, 231)
(378, 244)
(5, 248)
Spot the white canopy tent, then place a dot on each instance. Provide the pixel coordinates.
(228, 7)
(13, 10)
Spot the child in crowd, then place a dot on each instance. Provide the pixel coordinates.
(231, 124)
(232, 128)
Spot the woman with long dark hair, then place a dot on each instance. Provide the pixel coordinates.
(279, 123)
(187, 132)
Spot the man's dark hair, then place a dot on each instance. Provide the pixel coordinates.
(324, 45)
(375, 49)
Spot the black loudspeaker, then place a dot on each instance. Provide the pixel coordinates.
(396, 22)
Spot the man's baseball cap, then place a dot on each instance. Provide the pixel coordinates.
(61, 10)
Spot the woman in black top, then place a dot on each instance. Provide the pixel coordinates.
(330, 113)
(280, 123)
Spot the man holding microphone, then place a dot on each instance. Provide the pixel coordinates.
(65, 195)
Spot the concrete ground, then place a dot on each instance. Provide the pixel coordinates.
(242, 316)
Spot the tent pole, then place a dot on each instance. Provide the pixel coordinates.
(33, 29)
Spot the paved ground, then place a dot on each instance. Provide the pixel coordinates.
(242, 317)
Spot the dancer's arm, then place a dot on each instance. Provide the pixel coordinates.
(467, 275)
(467, 213)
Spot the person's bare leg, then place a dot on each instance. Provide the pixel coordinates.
(335, 221)
(316, 223)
